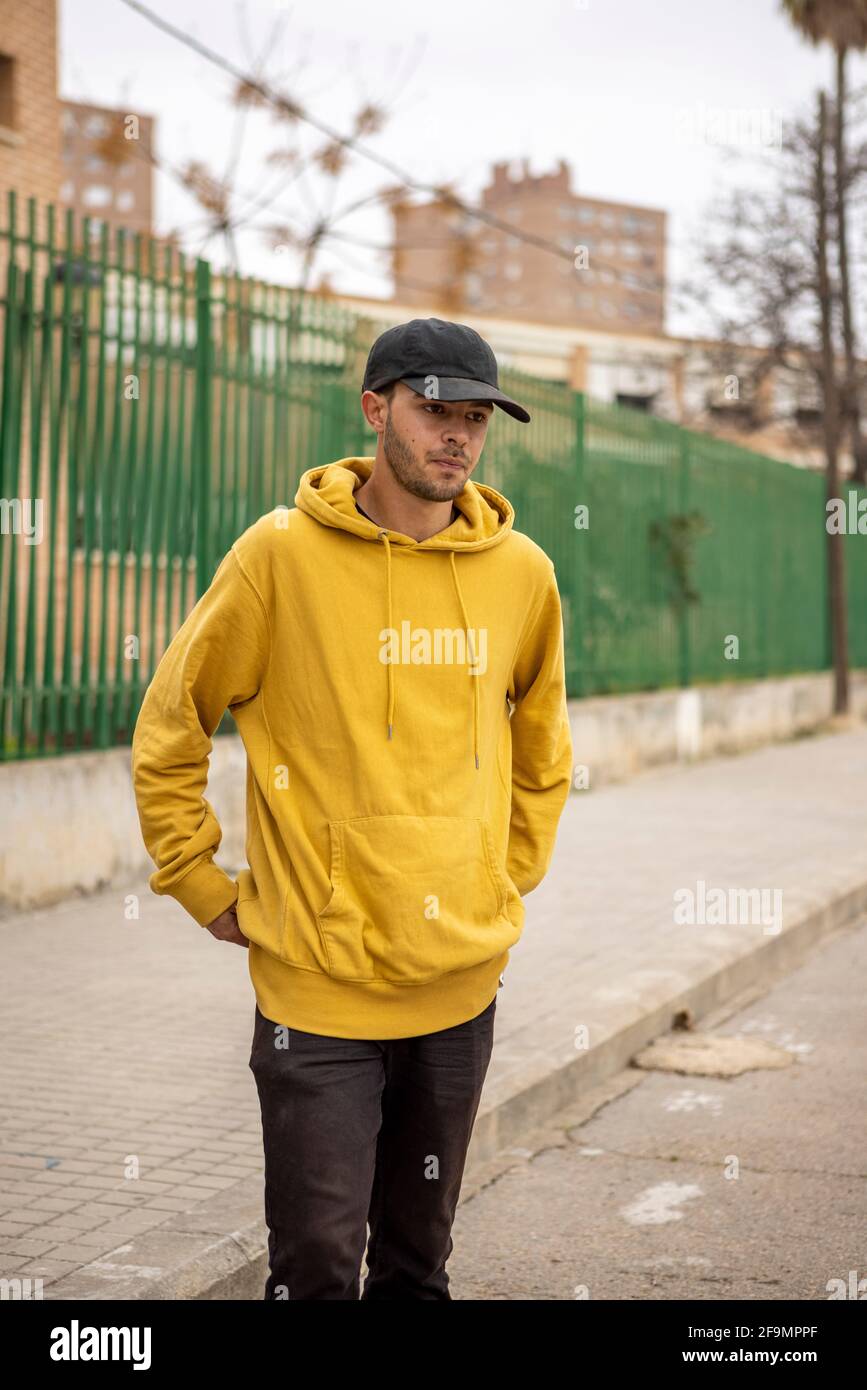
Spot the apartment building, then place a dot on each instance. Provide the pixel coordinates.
(609, 273)
(94, 159)
(107, 165)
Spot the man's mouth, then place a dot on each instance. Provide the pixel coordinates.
(449, 462)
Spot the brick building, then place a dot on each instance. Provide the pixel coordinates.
(107, 165)
(65, 152)
(442, 255)
(29, 106)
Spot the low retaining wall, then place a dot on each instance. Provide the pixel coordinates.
(70, 823)
(616, 736)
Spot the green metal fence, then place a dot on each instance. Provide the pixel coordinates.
(156, 410)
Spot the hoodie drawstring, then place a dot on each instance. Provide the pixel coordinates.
(474, 673)
(382, 534)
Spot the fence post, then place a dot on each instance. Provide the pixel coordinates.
(684, 615)
(580, 559)
(202, 472)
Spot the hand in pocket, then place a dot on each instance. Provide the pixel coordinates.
(226, 928)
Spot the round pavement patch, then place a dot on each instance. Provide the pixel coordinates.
(704, 1054)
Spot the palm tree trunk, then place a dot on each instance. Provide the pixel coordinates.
(831, 423)
(851, 421)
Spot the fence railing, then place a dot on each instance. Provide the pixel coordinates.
(150, 410)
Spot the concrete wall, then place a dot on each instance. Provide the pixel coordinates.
(70, 824)
(617, 736)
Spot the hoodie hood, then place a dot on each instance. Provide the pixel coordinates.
(328, 494)
(485, 518)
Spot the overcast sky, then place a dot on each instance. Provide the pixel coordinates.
(623, 90)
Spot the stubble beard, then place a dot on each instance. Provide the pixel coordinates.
(410, 473)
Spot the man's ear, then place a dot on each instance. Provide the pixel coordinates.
(375, 409)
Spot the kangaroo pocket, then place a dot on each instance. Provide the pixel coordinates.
(414, 897)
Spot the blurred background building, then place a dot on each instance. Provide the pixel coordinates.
(73, 153)
(485, 268)
(29, 104)
(105, 175)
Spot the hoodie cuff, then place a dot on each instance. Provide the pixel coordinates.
(205, 892)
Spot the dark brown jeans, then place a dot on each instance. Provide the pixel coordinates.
(359, 1132)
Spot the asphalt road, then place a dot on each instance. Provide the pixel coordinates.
(670, 1186)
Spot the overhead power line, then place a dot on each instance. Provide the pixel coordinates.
(289, 106)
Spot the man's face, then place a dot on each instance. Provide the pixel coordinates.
(432, 446)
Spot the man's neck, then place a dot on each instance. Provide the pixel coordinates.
(388, 504)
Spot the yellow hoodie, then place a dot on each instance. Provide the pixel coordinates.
(403, 708)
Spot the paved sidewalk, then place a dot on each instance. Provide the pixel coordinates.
(130, 1157)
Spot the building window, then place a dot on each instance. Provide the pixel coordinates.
(67, 191)
(608, 248)
(586, 214)
(7, 91)
(95, 126)
(608, 219)
(97, 195)
(125, 201)
(512, 271)
(631, 250)
(473, 290)
(609, 310)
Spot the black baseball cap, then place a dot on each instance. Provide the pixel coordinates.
(442, 360)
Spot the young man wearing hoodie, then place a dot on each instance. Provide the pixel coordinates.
(391, 650)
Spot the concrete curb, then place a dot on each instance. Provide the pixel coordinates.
(219, 1249)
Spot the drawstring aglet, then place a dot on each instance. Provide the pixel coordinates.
(477, 762)
(389, 730)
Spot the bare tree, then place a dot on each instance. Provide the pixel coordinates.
(769, 280)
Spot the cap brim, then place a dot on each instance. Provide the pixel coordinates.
(461, 388)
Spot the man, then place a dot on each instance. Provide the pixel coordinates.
(391, 650)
